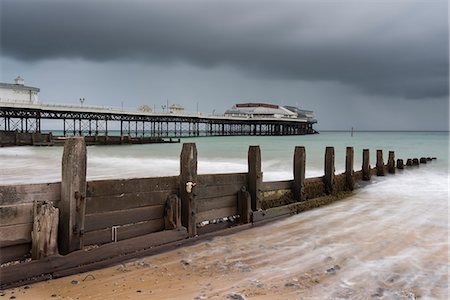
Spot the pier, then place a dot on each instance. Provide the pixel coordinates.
(27, 120)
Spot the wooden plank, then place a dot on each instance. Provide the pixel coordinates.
(187, 183)
(222, 179)
(122, 217)
(328, 179)
(73, 195)
(349, 179)
(123, 232)
(254, 176)
(203, 192)
(126, 201)
(29, 193)
(57, 264)
(16, 214)
(45, 231)
(15, 252)
(366, 169)
(15, 234)
(215, 203)
(276, 185)
(172, 212)
(380, 163)
(298, 184)
(217, 213)
(118, 186)
(244, 206)
(391, 162)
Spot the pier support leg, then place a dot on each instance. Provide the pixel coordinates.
(328, 179)
(254, 176)
(188, 180)
(73, 196)
(349, 179)
(298, 188)
(366, 165)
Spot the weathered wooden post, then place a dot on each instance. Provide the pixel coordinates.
(172, 212)
(415, 161)
(391, 162)
(380, 163)
(244, 205)
(188, 181)
(423, 160)
(254, 176)
(366, 165)
(328, 179)
(298, 188)
(400, 164)
(45, 231)
(349, 180)
(73, 196)
(409, 162)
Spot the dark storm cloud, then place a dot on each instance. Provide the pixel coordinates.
(383, 47)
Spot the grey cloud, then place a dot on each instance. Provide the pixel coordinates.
(383, 48)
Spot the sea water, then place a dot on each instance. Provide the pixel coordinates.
(391, 238)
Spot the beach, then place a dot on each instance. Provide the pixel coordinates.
(389, 240)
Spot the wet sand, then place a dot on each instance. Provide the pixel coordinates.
(378, 244)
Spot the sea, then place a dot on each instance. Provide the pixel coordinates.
(391, 237)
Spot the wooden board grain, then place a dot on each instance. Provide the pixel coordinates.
(15, 234)
(222, 179)
(121, 217)
(213, 191)
(276, 185)
(104, 236)
(28, 193)
(119, 186)
(215, 203)
(126, 201)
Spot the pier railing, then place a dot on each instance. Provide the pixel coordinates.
(77, 225)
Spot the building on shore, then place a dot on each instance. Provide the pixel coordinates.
(176, 109)
(18, 92)
(265, 110)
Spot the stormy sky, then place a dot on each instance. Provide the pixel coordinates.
(364, 64)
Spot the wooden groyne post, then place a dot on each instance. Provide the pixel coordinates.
(380, 163)
(328, 179)
(391, 162)
(254, 176)
(349, 178)
(299, 173)
(188, 181)
(73, 196)
(366, 165)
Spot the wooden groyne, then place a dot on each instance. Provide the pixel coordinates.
(57, 229)
(17, 138)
